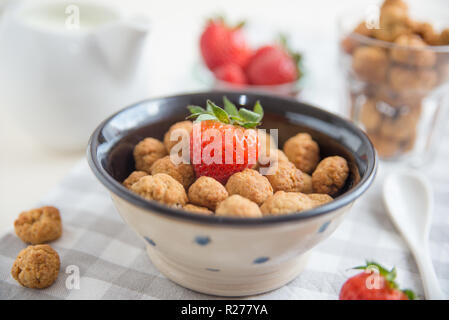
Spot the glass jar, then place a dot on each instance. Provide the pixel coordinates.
(398, 92)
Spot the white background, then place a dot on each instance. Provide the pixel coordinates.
(28, 170)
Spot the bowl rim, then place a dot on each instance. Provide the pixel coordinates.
(119, 190)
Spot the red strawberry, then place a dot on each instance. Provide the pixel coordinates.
(224, 142)
(376, 283)
(272, 65)
(230, 72)
(221, 44)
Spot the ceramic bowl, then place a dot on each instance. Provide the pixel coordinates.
(221, 255)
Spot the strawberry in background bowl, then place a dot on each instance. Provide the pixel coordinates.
(234, 64)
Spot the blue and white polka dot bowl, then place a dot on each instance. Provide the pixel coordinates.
(218, 255)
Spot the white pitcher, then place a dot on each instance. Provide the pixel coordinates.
(65, 66)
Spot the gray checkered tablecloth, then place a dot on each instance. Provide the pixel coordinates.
(113, 264)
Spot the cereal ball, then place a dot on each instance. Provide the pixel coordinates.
(161, 187)
(443, 69)
(36, 266)
(183, 125)
(320, 198)
(207, 192)
(133, 178)
(402, 126)
(349, 43)
(270, 158)
(411, 50)
(393, 99)
(409, 144)
(386, 148)
(286, 177)
(444, 37)
(426, 32)
(393, 21)
(330, 175)
(286, 202)
(421, 80)
(239, 207)
(266, 141)
(397, 3)
(39, 225)
(147, 152)
(267, 149)
(393, 12)
(391, 32)
(182, 172)
(307, 187)
(363, 30)
(370, 117)
(303, 152)
(196, 209)
(251, 185)
(370, 64)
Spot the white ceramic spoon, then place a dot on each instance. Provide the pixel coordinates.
(409, 201)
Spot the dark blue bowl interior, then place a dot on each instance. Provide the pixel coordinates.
(111, 145)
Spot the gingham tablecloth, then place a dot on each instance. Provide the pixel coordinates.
(113, 264)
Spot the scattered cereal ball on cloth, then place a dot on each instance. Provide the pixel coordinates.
(196, 209)
(176, 133)
(320, 198)
(162, 188)
(285, 177)
(370, 64)
(36, 266)
(133, 178)
(330, 175)
(181, 172)
(207, 192)
(286, 202)
(146, 152)
(239, 207)
(303, 152)
(251, 185)
(411, 50)
(39, 225)
(307, 185)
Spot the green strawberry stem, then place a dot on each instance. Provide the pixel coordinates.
(388, 275)
(223, 20)
(229, 114)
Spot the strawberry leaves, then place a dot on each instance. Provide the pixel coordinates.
(229, 115)
(230, 108)
(388, 275)
(218, 112)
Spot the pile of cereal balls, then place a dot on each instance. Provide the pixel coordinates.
(393, 78)
(299, 181)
